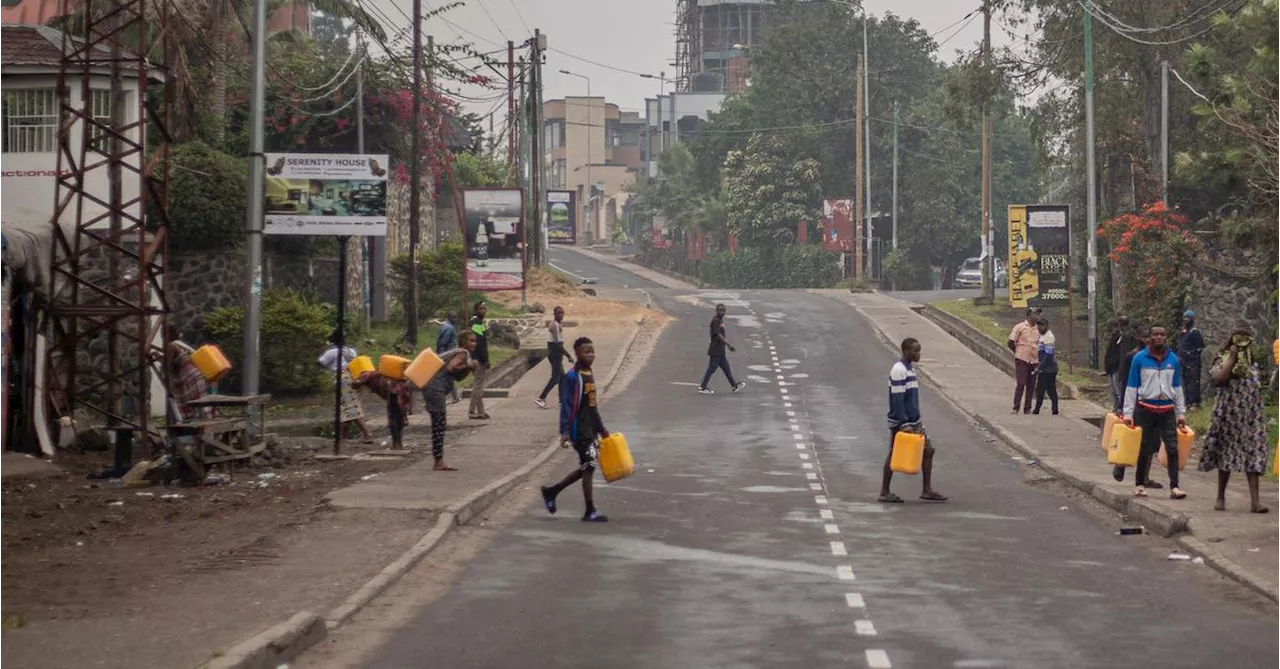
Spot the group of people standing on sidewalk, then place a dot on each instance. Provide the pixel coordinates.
(1034, 348)
(1153, 387)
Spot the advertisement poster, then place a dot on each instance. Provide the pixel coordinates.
(562, 217)
(1039, 256)
(326, 194)
(495, 238)
(661, 233)
(837, 225)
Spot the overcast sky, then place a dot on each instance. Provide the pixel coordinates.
(635, 35)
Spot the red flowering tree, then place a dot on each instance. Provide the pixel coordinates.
(1151, 249)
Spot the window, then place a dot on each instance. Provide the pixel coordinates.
(100, 99)
(558, 174)
(553, 134)
(30, 120)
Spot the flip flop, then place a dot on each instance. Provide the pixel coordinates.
(934, 497)
(889, 499)
(1260, 509)
(444, 468)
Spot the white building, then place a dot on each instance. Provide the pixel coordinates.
(667, 114)
(31, 56)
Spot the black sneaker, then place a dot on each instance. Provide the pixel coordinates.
(1152, 485)
(549, 499)
(1118, 473)
(594, 516)
(740, 386)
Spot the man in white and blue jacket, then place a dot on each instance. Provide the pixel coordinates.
(1153, 400)
(904, 416)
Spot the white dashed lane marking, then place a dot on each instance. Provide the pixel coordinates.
(820, 499)
(811, 476)
(837, 548)
(806, 465)
(831, 529)
(826, 514)
(815, 486)
(864, 628)
(878, 659)
(854, 600)
(844, 572)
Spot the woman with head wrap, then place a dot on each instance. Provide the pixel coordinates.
(1237, 438)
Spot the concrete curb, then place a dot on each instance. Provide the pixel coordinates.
(285, 641)
(1215, 559)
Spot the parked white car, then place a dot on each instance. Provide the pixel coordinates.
(970, 274)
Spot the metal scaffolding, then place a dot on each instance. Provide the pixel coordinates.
(109, 249)
(686, 44)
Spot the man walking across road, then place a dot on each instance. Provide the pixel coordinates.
(555, 354)
(1120, 343)
(716, 353)
(1023, 341)
(904, 416)
(481, 356)
(1153, 401)
(1190, 347)
(447, 340)
(1046, 367)
(581, 427)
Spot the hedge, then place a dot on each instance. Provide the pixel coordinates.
(792, 266)
(294, 333)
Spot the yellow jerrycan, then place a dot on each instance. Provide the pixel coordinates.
(360, 365)
(1126, 442)
(1107, 424)
(392, 366)
(423, 367)
(908, 453)
(615, 458)
(1186, 437)
(211, 362)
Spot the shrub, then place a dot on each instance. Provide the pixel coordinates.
(907, 273)
(207, 198)
(293, 334)
(794, 266)
(439, 279)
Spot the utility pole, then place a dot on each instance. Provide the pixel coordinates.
(538, 242)
(1091, 185)
(988, 253)
(511, 111)
(857, 179)
(1164, 131)
(895, 176)
(866, 148)
(253, 215)
(415, 181)
(366, 243)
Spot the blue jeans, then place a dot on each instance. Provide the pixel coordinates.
(718, 362)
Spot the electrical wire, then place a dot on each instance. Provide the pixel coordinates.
(1131, 38)
(963, 18)
(959, 30)
(1195, 17)
(520, 15)
(599, 64)
(495, 23)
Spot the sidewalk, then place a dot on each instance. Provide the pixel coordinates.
(1241, 545)
(282, 586)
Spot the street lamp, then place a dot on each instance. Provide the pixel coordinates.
(590, 195)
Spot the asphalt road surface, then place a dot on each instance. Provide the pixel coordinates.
(750, 536)
(583, 267)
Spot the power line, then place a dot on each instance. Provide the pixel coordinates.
(599, 64)
(959, 30)
(495, 23)
(521, 16)
(1131, 38)
(1195, 17)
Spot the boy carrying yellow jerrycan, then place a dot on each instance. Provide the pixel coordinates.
(908, 453)
(615, 458)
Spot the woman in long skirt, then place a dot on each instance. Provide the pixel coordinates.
(1237, 439)
(350, 411)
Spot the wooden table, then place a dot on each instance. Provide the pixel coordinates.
(227, 438)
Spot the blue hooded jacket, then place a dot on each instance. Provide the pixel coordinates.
(571, 405)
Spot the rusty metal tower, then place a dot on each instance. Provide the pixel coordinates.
(108, 309)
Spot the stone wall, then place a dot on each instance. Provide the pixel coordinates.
(1228, 285)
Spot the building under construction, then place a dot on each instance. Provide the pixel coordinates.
(714, 39)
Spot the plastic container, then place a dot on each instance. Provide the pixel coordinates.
(1186, 437)
(211, 362)
(1126, 443)
(1107, 424)
(423, 368)
(908, 453)
(615, 458)
(392, 366)
(360, 366)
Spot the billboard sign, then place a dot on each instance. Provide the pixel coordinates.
(661, 233)
(326, 194)
(1039, 255)
(562, 217)
(837, 225)
(495, 238)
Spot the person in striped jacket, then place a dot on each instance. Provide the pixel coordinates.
(904, 416)
(1153, 400)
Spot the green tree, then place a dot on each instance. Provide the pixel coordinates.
(477, 170)
(206, 198)
(767, 193)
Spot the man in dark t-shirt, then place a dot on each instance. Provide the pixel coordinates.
(580, 427)
(716, 353)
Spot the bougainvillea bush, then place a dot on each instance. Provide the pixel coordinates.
(1152, 249)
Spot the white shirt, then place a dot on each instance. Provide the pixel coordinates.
(329, 359)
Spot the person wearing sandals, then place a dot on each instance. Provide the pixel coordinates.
(1153, 400)
(351, 411)
(1237, 437)
(904, 416)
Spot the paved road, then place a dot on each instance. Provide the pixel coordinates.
(750, 537)
(929, 296)
(579, 265)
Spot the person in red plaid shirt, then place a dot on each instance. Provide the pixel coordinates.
(186, 383)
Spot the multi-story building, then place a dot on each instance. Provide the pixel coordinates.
(295, 16)
(595, 149)
(714, 39)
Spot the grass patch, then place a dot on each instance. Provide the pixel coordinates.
(985, 319)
